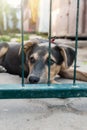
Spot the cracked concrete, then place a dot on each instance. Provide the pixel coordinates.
(43, 114)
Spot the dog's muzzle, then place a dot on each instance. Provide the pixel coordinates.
(33, 79)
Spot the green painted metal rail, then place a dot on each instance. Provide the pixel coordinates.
(76, 44)
(22, 37)
(50, 23)
(43, 91)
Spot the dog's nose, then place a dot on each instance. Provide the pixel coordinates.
(33, 79)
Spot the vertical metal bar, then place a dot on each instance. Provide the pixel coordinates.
(22, 35)
(50, 16)
(76, 44)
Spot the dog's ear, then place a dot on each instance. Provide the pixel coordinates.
(29, 45)
(68, 54)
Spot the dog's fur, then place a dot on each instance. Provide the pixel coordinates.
(37, 60)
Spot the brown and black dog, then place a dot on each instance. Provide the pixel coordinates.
(37, 59)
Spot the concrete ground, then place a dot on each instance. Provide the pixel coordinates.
(44, 114)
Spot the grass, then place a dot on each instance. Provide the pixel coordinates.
(9, 37)
(17, 37)
(5, 38)
(44, 35)
(85, 62)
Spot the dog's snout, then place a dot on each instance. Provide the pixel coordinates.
(33, 79)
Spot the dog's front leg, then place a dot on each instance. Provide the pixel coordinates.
(54, 82)
(2, 69)
(69, 74)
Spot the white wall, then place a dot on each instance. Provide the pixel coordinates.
(43, 16)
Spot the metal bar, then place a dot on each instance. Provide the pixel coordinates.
(76, 44)
(22, 35)
(43, 91)
(49, 42)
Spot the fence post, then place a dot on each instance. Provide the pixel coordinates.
(76, 43)
(22, 34)
(50, 23)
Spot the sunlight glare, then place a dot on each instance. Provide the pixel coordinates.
(14, 3)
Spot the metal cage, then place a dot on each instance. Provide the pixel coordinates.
(45, 90)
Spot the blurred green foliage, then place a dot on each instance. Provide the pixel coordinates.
(4, 7)
(14, 37)
(5, 38)
(7, 10)
(85, 62)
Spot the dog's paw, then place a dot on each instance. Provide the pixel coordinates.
(55, 82)
(2, 69)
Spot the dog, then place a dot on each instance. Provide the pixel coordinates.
(36, 61)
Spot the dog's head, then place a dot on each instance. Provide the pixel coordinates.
(37, 58)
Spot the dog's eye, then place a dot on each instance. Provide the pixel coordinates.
(32, 60)
(51, 61)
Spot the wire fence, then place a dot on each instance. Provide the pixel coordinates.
(49, 50)
(43, 90)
